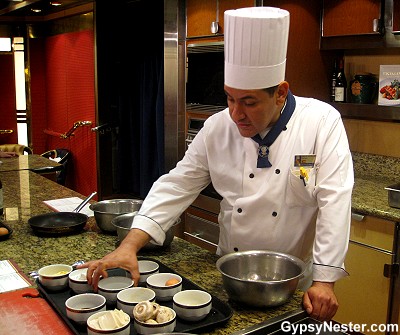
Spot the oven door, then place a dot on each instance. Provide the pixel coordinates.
(201, 220)
(201, 228)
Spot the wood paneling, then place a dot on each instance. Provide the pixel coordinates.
(349, 17)
(373, 137)
(396, 16)
(305, 64)
(366, 285)
(200, 14)
(361, 62)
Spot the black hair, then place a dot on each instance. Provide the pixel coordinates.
(271, 90)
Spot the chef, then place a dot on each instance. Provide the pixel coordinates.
(281, 163)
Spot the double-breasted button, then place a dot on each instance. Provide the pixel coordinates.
(274, 214)
(251, 175)
(277, 171)
(239, 210)
(235, 249)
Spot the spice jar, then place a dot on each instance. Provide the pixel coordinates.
(363, 88)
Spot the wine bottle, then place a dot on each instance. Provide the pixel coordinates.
(341, 84)
(333, 80)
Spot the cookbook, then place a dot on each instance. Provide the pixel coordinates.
(11, 276)
(389, 85)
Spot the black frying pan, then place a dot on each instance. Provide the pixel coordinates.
(60, 223)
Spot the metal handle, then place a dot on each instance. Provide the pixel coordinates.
(84, 202)
(101, 129)
(391, 270)
(6, 131)
(197, 236)
(214, 24)
(76, 125)
(357, 217)
(376, 25)
(70, 132)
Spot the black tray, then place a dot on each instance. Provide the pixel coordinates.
(219, 314)
(6, 236)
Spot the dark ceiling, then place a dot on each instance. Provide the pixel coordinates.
(28, 8)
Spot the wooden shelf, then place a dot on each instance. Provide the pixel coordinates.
(368, 111)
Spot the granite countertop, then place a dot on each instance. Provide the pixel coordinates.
(24, 192)
(372, 174)
(26, 162)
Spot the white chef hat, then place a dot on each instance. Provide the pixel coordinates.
(255, 47)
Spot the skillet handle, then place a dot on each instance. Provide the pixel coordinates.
(84, 202)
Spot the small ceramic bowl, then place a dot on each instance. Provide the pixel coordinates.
(165, 285)
(130, 297)
(78, 283)
(80, 307)
(54, 277)
(146, 269)
(145, 328)
(109, 287)
(192, 305)
(103, 323)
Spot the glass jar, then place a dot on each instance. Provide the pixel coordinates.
(363, 89)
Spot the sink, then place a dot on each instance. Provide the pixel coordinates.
(394, 195)
(285, 324)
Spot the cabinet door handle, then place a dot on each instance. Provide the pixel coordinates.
(197, 236)
(391, 270)
(357, 217)
(376, 25)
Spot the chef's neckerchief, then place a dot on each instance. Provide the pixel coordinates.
(266, 142)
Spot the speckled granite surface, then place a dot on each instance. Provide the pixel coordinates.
(372, 174)
(26, 162)
(24, 192)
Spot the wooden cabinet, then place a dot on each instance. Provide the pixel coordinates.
(364, 295)
(350, 17)
(396, 17)
(200, 15)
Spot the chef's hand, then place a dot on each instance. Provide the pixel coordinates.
(124, 257)
(320, 301)
(7, 154)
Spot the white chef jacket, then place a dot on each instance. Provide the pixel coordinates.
(266, 208)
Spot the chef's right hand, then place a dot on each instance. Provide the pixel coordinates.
(124, 257)
(7, 154)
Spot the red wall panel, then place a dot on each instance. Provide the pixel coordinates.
(38, 95)
(8, 118)
(68, 67)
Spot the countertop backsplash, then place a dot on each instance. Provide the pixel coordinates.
(376, 166)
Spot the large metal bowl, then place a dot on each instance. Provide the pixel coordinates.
(260, 278)
(123, 225)
(105, 211)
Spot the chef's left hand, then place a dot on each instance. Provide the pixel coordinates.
(320, 301)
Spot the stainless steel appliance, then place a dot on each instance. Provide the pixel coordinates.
(204, 96)
(201, 218)
(205, 75)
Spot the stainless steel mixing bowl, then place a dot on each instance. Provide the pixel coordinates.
(123, 224)
(105, 211)
(260, 278)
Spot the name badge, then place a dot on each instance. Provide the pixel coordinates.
(304, 160)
